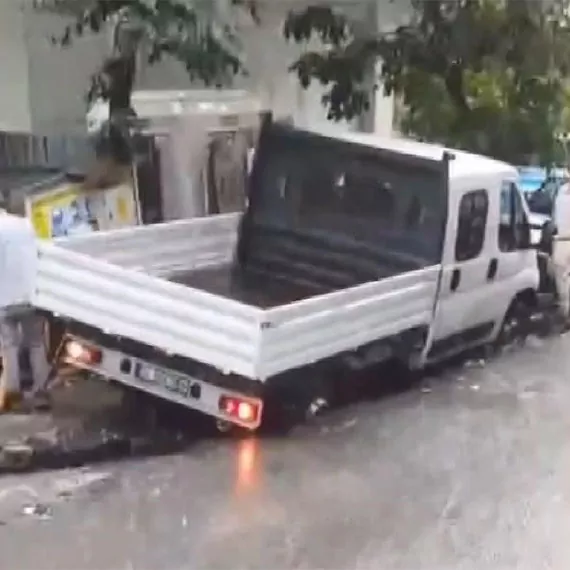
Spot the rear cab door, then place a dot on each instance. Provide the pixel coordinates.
(487, 261)
(465, 312)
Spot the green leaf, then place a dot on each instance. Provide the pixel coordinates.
(485, 75)
(182, 29)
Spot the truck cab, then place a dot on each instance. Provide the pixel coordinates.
(488, 263)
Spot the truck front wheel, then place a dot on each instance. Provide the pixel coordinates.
(516, 325)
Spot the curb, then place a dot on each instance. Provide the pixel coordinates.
(35, 454)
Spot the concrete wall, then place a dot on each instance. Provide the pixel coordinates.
(59, 78)
(388, 15)
(267, 57)
(14, 82)
(48, 91)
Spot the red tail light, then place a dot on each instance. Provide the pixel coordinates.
(82, 353)
(244, 410)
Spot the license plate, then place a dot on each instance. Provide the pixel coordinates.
(170, 381)
(147, 374)
(183, 386)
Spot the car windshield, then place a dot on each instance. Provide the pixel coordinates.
(542, 200)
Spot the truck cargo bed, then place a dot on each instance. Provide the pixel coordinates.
(229, 281)
(168, 286)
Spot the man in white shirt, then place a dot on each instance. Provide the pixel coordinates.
(25, 368)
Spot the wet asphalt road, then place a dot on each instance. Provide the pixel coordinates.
(469, 471)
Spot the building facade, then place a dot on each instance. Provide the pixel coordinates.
(43, 87)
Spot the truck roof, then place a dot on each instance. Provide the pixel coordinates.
(463, 163)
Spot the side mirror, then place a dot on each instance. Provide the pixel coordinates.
(549, 229)
(554, 230)
(548, 232)
(524, 237)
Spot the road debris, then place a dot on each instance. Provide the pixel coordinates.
(38, 510)
(15, 456)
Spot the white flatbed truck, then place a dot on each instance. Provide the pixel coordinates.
(352, 250)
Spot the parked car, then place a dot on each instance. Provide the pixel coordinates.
(540, 188)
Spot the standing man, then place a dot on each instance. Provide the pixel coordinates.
(25, 367)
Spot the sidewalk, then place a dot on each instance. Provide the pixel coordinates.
(85, 424)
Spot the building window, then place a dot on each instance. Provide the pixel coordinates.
(471, 225)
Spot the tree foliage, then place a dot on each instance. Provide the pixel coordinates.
(190, 31)
(486, 75)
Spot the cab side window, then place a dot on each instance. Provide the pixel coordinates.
(473, 210)
(512, 221)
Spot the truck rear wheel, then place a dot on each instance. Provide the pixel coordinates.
(293, 400)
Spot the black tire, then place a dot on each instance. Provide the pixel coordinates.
(279, 418)
(139, 408)
(296, 400)
(516, 325)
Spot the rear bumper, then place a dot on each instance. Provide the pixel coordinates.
(166, 382)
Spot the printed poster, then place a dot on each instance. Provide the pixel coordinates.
(71, 210)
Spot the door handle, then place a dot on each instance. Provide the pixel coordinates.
(492, 269)
(455, 279)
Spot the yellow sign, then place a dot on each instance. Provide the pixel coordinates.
(122, 209)
(71, 210)
(59, 212)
